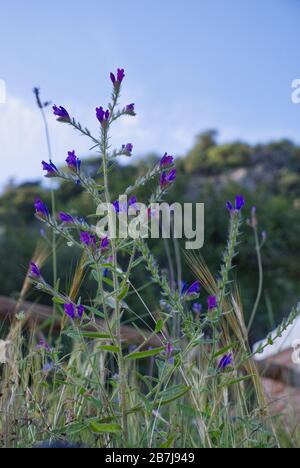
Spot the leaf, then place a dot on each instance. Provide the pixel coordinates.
(108, 281)
(111, 302)
(95, 311)
(223, 350)
(58, 300)
(111, 428)
(137, 262)
(111, 348)
(159, 325)
(96, 335)
(182, 390)
(145, 354)
(235, 381)
(123, 293)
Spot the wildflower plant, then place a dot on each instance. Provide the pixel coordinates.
(200, 362)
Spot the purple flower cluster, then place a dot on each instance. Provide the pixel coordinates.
(61, 113)
(129, 109)
(73, 161)
(225, 361)
(43, 345)
(212, 302)
(88, 239)
(166, 161)
(239, 203)
(34, 270)
(66, 218)
(116, 81)
(123, 207)
(73, 311)
(41, 209)
(194, 288)
(102, 115)
(127, 149)
(104, 243)
(167, 178)
(51, 169)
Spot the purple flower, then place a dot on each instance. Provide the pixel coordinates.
(88, 239)
(197, 308)
(120, 77)
(34, 270)
(183, 287)
(127, 149)
(166, 161)
(73, 161)
(124, 206)
(104, 244)
(113, 78)
(116, 205)
(212, 302)
(102, 115)
(40, 208)
(194, 288)
(239, 203)
(168, 351)
(61, 113)
(43, 345)
(51, 169)
(70, 310)
(47, 367)
(73, 311)
(225, 361)
(129, 109)
(65, 217)
(167, 178)
(229, 206)
(80, 311)
(132, 201)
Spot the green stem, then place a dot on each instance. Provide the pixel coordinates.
(53, 211)
(260, 279)
(121, 363)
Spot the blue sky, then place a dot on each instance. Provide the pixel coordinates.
(190, 65)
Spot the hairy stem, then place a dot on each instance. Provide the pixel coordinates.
(121, 363)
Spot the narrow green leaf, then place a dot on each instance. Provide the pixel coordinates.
(111, 348)
(124, 292)
(111, 428)
(235, 381)
(174, 397)
(144, 354)
(58, 300)
(159, 325)
(223, 350)
(96, 335)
